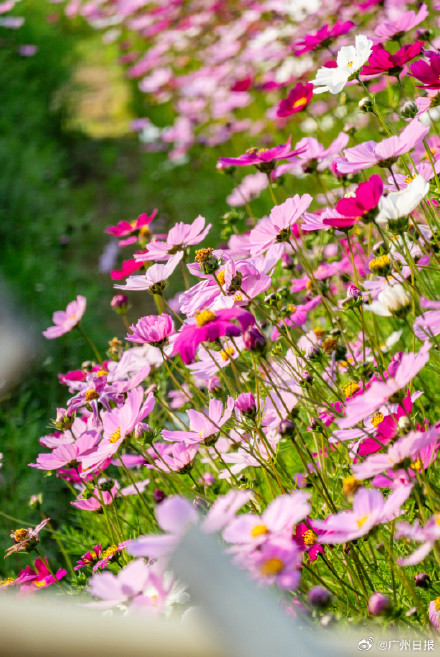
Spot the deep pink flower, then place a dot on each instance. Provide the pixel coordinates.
(363, 205)
(152, 329)
(297, 100)
(428, 73)
(65, 320)
(306, 537)
(381, 61)
(263, 158)
(89, 558)
(124, 228)
(208, 327)
(322, 38)
(32, 580)
(128, 268)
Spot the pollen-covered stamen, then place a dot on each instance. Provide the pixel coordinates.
(319, 332)
(226, 353)
(21, 535)
(204, 317)
(7, 582)
(417, 465)
(350, 389)
(361, 522)
(437, 604)
(221, 276)
(203, 254)
(300, 102)
(381, 265)
(259, 530)
(271, 567)
(310, 537)
(376, 419)
(115, 436)
(329, 345)
(91, 394)
(350, 485)
(109, 552)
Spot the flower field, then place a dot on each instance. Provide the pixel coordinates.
(271, 369)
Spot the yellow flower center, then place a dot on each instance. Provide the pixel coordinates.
(437, 518)
(310, 537)
(377, 419)
(417, 465)
(259, 530)
(92, 557)
(227, 353)
(409, 179)
(91, 394)
(101, 372)
(380, 263)
(115, 436)
(319, 332)
(238, 297)
(204, 317)
(329, 345)
(437, 604)
(40, 583)
(271, 567)
(361, 522)
(350, 485)
(221, 276)
(144, 231)
(109, 552)
(7, 582)
(301, 101)
(20, 535)
(350, 388)
(350, 64)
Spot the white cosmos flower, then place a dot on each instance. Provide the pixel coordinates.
(401, 204)
(349, 60)
(391, 301)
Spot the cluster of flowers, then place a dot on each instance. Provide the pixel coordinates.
(10, 20)
(287, 398)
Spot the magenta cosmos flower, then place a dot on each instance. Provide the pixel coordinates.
(362, 206)
(208, 327)
(264, 158)
(65, 320)
(428, 73)
(125, 228)
(32, 580)
(381, 61)
(297, 100)
(322, 38)
(152, 329)
(179, 238)
(400, 25)
(278, 226)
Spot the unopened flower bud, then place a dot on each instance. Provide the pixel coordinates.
(254, 340)
(378, 604)
(158, 496)
(319, 597)
(119, 303)
(306, 380)
(63, 420)
(349, 129)
(404, 424)
(422, 580)
(365, 105)
(214, 385)
(313, 352)
(286, 428)
(35, 501)
(408, 110)
(287, 261)
(245, 403)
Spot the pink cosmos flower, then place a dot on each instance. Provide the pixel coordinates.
(32, 580)
(297, 100)
(401, 25)
(364, 203)
(434, 613)
(314, 156)
(323, 38)
(67, 454)
(25, 539)
(278, 226)
(204, 427)
(117, 424)
(381, 61)
(248, 189)
(428, 324)
(277, 521)
(152, 329)
(124, 228)
(263, 158)
(378, 394)
(173, 458)
(155, 278)
(276, 563)
(65, 320)
(180, 237)
(210, 326)
(370, 153)
(369, 509)
(93, 500)
(89, 558)
(426, 535)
